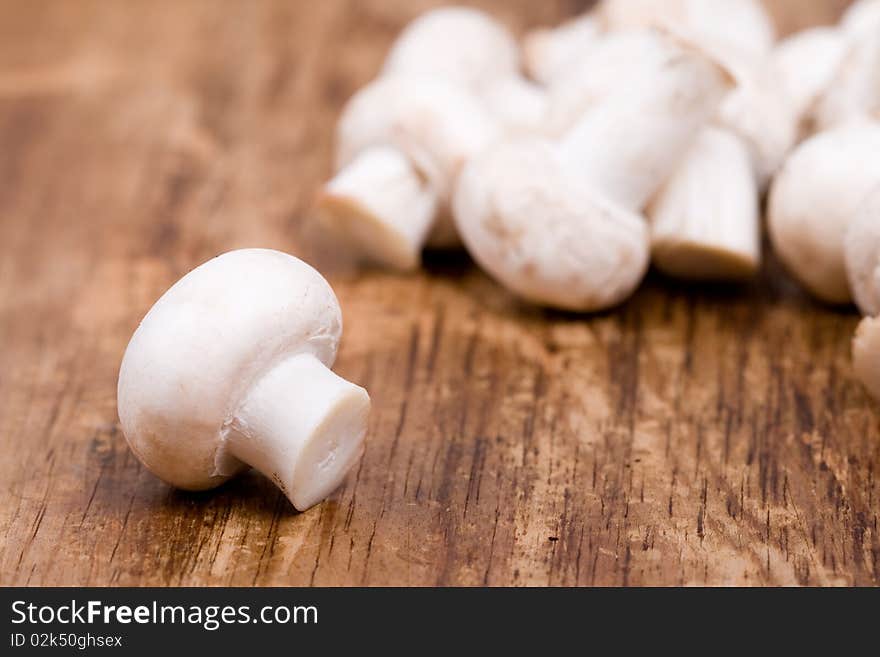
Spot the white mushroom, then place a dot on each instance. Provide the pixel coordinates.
(620, 59)
(534, 227)
(813, 199)
(230, 369)
(726, 27)
(805, 63)
(758, 109)
(866, 354)
(380, 206)
(862, 254)
(463, 45)
(854, 92)
(627, 144)
(730, 26)
(760, 112)
(549, 54)
(558, 223)
(434, 126)
(704, 220)
(468, 47)
(861, 18)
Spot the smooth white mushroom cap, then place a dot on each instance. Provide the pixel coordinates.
(212, 339)
(469, 48)
(542, 234)
(861, 18)
(463, 45)
(813, 199)
(862, 254)
(806, 62)
(854, 92)
(760, 111)
(434, 122)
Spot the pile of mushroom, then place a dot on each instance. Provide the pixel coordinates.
(641, 132)
(645, 131)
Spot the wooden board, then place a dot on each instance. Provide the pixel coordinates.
(696, 435)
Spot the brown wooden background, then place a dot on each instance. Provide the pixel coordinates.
(696, 435)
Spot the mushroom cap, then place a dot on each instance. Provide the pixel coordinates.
(730, 25)
(806, 62)
(866, 354)
(861, 18)
(538, 231)
(815, 196)
(853, 93)
(465, 46)
(434, 122)
(862, 254)
(204, 343)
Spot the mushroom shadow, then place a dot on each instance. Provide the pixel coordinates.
(249, 492)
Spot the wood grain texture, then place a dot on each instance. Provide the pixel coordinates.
(696, 435)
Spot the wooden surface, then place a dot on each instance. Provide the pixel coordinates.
(696, 435)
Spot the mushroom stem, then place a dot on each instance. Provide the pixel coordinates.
(549, 53)
(302, 426)
(629, 144)
(381, 206)
(705, 221)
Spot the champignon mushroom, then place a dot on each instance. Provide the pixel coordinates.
(549, 54)
(813, 199)
(533, 226)
(854, 92)
(861, 18)
(620, 59)
(866, 354)
(627, 144)
(231, 368)
(862, 254)
(760, 112)
(558, 223)
(732, 26)
(805, 63)
(470, 48)
(401, 142)
(704, 220)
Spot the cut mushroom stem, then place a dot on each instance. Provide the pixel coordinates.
(302, 426)
(627, 145)
(401, 142)
(381, 206)
(704, 220)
